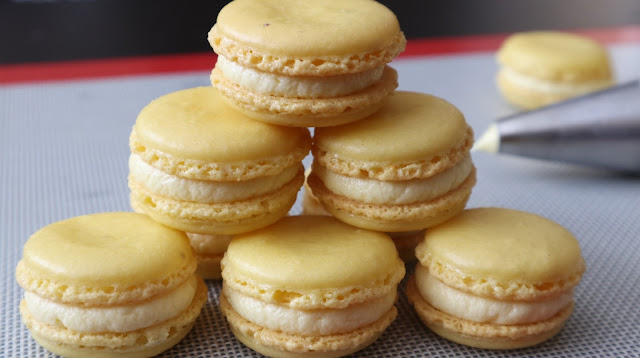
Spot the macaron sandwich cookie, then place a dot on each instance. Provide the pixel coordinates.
(209, 250)
(542, 67)
(310, 286)
(496, 278)
(305, 63)
(201, 167)
(109, 285)
(406, 167)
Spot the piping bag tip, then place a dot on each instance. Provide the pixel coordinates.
(600, 129)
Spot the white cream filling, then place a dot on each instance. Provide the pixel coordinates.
(309, 322)
(485, 310)
(204, 191)
(209, 244)
(489, 141)
(297, 86)
(126, 318)
(559, 88)
(375, 191)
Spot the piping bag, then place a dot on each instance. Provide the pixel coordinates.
(601, 130)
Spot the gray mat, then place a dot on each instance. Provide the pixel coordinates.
(63, 150)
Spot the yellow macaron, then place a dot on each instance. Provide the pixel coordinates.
(310, 286)
(496, 278)
(209, 250)
(305, 63)
(201, 167)
(404, 168)
(109, 285)
(542, 67)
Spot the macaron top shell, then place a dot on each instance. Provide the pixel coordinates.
(409, 127)
(555, 56)
(309, 252)
(308, 28)
(196, 124)
(505, 247)
(313, 256)
(105, 253)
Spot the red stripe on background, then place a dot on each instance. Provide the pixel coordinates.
(68, 70)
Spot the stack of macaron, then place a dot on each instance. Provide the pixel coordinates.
(216, 170)
(290, 64)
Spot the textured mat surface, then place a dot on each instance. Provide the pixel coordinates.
(63, 152)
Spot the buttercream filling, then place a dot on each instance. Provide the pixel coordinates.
(125, 318)
(373, 191)
(309, 322)
(560, 88)
(204, 191)
(209, 244)
(297, 86)
(482, 309)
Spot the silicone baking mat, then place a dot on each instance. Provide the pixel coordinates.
(64, 150)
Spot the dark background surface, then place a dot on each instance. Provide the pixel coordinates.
(55, 30)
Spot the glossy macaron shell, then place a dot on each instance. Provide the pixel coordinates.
(307, 38)
(409, 127)
(196, 124)
(281, 258)
(102, 254)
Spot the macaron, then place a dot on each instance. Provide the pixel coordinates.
(496, 278)
(109, 285)
(406, 167)
(209, 250)
(405, 242)
(310, 286)
(543, 67)
(305, 63)
(201, 167)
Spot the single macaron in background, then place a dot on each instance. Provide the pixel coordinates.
(201, 167)
(310, 286)
(496, 278)
(405, 168)
(109, 285)
(306, 63)
(539, 68)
